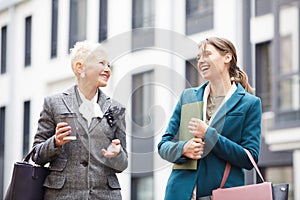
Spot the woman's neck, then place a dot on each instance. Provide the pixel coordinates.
(88, 92)
(219, 88)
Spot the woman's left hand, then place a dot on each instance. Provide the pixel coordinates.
(113, 149)
(197, 127)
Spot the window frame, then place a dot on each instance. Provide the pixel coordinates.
(192, 76)
(28, 37)
(103, 13)
(26, 127)
(3, 55)
(2, 146)
(263, 7)
(205, 18)
(283, 118)
(143, 34)
(263, 81)
(77, 29)
(54, 28)
(143, 142)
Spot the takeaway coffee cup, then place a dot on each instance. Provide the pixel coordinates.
(71, 119)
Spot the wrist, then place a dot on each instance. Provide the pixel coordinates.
(184, 149)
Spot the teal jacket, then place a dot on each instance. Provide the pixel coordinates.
(236, 126)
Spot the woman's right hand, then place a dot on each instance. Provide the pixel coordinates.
(193, 148)
(62, 130)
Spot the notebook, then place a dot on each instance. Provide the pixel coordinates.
(188, 111)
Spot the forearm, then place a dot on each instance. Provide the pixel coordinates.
(46, 151)
(172, 151)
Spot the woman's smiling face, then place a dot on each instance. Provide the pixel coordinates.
(211, 63)
(97, 69)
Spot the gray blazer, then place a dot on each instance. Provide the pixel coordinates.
(78, 170)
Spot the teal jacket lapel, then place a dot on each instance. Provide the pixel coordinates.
(231, 102)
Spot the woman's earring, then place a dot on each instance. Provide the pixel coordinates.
(82, 75)
(232, 78)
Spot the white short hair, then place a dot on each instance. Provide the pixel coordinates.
(82, 50)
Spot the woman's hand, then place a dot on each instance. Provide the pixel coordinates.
(197, 127)
(113, 149)
(62, 130)
(193, 148)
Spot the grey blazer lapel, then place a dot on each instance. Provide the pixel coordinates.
(104, 102)
(72, 102)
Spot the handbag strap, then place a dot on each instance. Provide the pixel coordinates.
(228, 166)
(225, 175)
(28, 155)
(254, 164)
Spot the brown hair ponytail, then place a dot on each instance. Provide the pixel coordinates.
(238, 75)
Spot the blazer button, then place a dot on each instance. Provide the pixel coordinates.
(84, 163)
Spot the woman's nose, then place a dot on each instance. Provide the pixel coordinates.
(200, 59)
(107, 68)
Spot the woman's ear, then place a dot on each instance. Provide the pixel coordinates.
(78, 67)
(228, 58)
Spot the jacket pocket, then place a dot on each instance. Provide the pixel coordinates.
(54, 181)
(235, 114)
(58, 165)
(113, 182)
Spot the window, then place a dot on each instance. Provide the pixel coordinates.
(143, 13)
(2, 143)
(142, 188)
(199, 15)
(78, 20)
(192, 76)
(263, 7)
(142, 21)
(27, 41)
(103, 20)
(263, 75)
(26, 127)
(287, 73)
(54, 25)
(142, 140)
(3, 49)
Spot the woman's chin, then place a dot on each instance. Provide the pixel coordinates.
(102, 84)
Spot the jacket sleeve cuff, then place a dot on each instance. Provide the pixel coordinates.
(119, 162)
(210, 139)
(172, 151)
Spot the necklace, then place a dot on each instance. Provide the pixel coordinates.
(213, 103)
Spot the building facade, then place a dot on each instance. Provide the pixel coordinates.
(152, 47)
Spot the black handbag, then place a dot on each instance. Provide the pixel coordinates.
(27, 181)
(280, 191)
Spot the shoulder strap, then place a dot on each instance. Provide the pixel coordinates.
(225, 175)
(228, 166)
(254, 164)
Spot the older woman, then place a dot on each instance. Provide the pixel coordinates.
(231, 122)
(84, 168)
